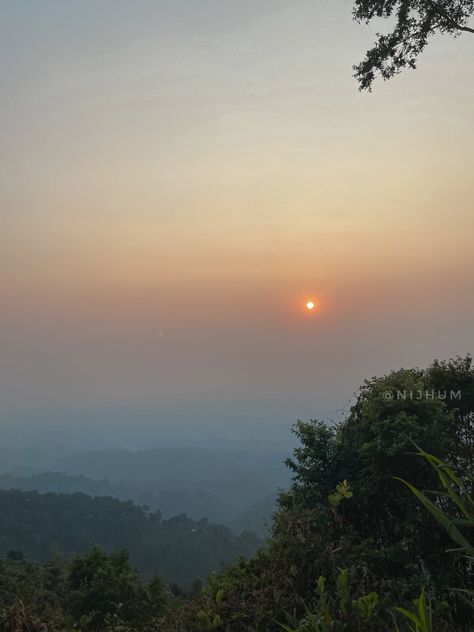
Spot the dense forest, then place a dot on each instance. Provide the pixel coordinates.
(192, 480)
(356, 543)
(181, 549)
(195, 503)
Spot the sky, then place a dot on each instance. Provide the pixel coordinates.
(179, 178)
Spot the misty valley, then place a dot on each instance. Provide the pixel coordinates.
(197, 538)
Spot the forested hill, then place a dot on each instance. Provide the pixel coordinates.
(178, 549)
(174, 480)
(195, 503)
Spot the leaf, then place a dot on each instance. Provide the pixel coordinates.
(219, 596)
(409, 615)
(455, 534)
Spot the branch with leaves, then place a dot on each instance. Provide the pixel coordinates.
(414, 22)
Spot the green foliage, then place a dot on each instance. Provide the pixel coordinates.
(350, 546)
(342, 491)
(454, 490)
(413, 22)
(209, 617)
(101, 585)
(208, 620)
(313, 458)
(366, 605)
(157, 597)
(421, 619)
(29, 595)
(456, 496)
(339, 613)
(278, 585)
(346, 520)
(375, 444)
(178, 549)
(91, 593)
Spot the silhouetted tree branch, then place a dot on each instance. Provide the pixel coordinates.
(414, 22)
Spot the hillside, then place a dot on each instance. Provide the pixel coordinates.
(195, 503)
(178, 549)
(174, 480)
(352, 549)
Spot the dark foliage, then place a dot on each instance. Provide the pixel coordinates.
(91, 593)
(413, 21)
(367, 542)
(178, 549)
(350, 543)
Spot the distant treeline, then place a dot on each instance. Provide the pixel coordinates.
(195, 503)
(192, 480)
(178, 549)
(356, 544)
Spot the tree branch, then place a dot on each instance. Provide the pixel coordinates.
(442, 11)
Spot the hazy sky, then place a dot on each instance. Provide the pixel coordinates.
(178, 177)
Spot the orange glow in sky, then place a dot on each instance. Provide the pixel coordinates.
(245, 214)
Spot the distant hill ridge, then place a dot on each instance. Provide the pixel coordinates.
(250, 475)
(195, 503)
(178, 549)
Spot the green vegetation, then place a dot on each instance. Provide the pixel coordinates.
(178, 549)
(189, 480)
(351, 546)
(242, 513)
(358, 544)
(94, 592)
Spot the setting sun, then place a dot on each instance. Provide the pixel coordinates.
(310, 305)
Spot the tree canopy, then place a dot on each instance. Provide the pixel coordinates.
(349, 540)
(178, 549)
(351, 544)
(93, 592)
(414, 21)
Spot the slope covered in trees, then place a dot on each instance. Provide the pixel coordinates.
(191, 480)
(195, 503)
(178, 549)
(350, 542)
(94, 592)
(352, 547)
